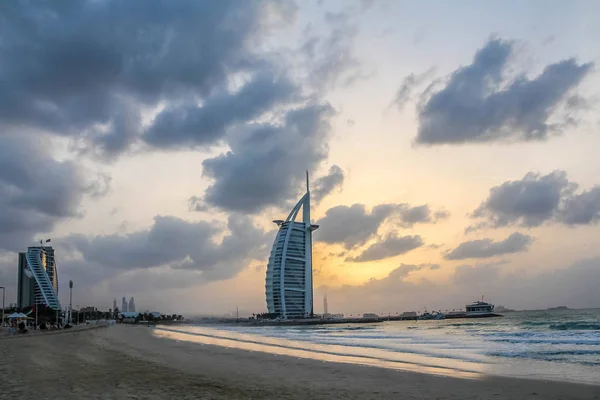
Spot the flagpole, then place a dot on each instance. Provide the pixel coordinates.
(70, 301)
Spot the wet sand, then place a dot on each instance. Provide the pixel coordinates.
(128, 362)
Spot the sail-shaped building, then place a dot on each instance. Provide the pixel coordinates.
(289, 286)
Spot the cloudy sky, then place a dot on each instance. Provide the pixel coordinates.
(452, 147)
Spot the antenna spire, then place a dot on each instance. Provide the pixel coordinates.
(307, 188)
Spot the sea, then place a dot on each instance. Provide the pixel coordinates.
(561, 345)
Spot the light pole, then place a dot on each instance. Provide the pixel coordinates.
(3, 292)
(70, 300)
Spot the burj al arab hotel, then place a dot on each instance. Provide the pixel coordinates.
(289, 285)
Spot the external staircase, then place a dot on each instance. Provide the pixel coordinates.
(34, 261)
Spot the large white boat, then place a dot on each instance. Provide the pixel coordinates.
(481, 309)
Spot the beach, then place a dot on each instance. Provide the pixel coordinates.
(125, 362)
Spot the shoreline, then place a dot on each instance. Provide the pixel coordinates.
(403, 361)
(315, 353)
(130, 361)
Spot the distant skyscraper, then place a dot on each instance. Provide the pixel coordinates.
(37, 280)
(114, 304)
(124, 305)
(131, 305)
(289, 287)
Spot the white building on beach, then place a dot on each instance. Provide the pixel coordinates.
(289, 286)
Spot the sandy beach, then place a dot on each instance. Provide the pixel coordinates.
(128, 362)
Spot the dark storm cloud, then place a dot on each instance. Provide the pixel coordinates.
(178, 244)
(93, 280)
(266, 163)
(93, 71)
(125, 128)
(404, 270)
(324, 185)
(536, 199)
(37, 191)
(485, 248)
(196, 126)
(72, 67)
(320, 189)
(581, 209)
(530, 201)
(353, 225)
(409, 216)
(479, 104)
(390, 246)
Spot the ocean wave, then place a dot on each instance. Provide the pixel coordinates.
(574, 352)
(570, 344)
(465, 324)
(573, 356)
(590, 363)
(576, 326)
(381, 336)
(510, 334)
(408, 349)
(348, 328)
(536, 323)
(550, 341)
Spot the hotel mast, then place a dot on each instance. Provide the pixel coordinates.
(289, 286)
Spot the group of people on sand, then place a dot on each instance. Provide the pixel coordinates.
(20, 327)
(17, 327)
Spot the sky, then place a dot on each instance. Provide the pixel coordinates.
(451, 146)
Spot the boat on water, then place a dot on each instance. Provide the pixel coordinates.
(481, 309)
(431, 316)
(455, 314)
(502, 309)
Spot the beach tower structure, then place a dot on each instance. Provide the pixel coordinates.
(37, 279)
(289, 279)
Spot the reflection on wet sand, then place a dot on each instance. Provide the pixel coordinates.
(331, 353)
